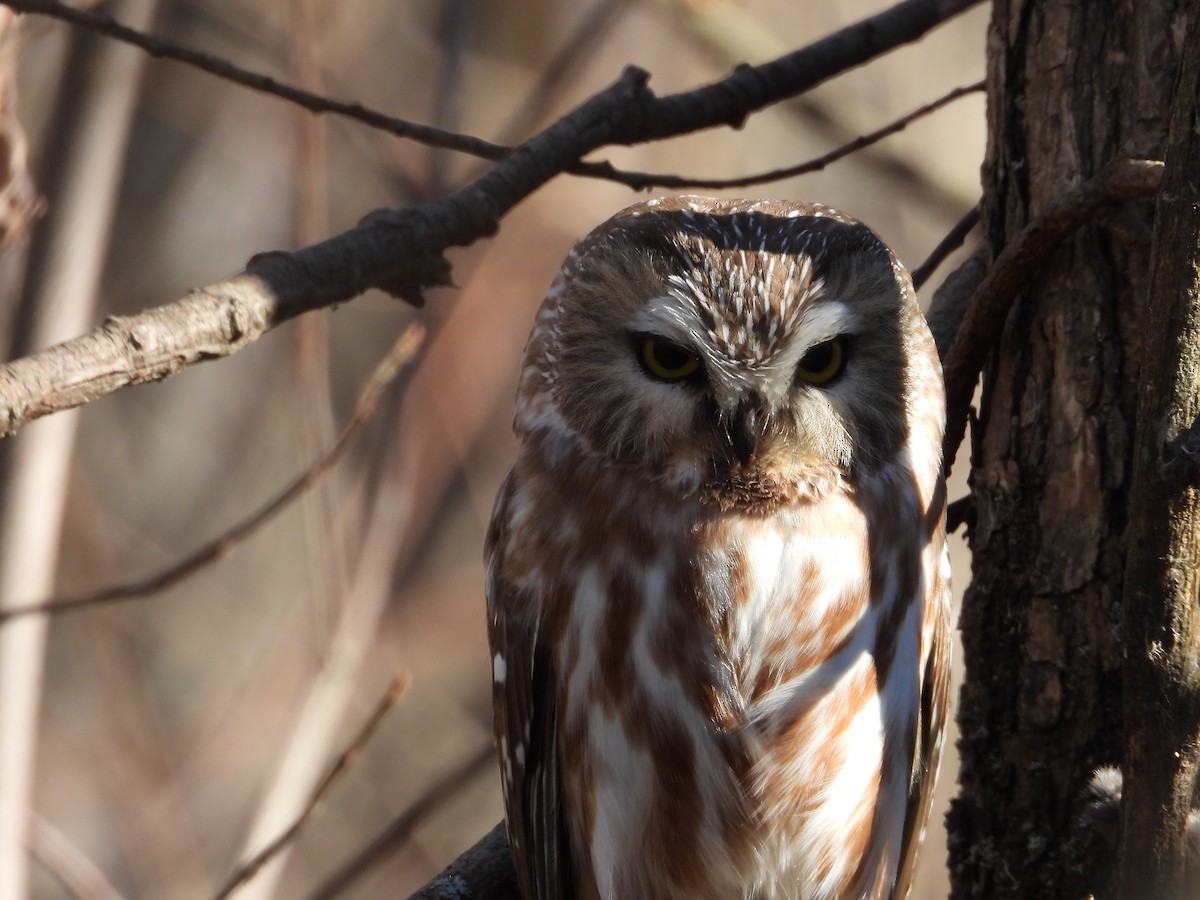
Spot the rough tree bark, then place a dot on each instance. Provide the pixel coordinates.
(1072, 84)
(1162, 572)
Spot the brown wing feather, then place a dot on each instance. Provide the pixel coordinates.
(526, 728)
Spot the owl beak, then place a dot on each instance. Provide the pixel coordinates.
(747, 426)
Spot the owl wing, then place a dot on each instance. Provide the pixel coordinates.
(935, 691)
(526, 727)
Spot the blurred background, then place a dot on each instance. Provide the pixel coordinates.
(175, 734)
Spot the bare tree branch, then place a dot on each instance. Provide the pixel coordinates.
(952, 241)
(401, 251)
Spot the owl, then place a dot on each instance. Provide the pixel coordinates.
(717, 571)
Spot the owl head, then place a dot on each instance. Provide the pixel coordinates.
(734, 348)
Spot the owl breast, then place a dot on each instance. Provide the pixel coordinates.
(723, 680)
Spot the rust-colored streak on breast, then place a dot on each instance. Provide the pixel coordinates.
(625, 608)
(677, 808)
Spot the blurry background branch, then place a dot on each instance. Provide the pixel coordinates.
(103, 23)
(401, 250)
(489, 863)
(58, 300)
(389, 367)
(248, 869)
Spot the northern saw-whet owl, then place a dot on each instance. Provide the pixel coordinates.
(718, 588)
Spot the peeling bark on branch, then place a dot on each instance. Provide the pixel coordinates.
(401, 251)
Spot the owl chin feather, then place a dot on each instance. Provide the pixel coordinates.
(757, 488)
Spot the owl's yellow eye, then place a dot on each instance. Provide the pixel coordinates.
(665, 360)
(822, 363)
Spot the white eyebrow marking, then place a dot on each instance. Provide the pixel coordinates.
(826, 320)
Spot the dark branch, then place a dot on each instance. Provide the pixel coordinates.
(1123, 179)
(751, 88)
(960, 512)
(952, 241)
(952, 297)
(650, 180)
(483, 872)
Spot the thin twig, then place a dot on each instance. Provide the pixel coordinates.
(1123, 179)
(345, 759)
(952, 241)
(315, 725)
(400, 829)
(396, 358)
(649, 180)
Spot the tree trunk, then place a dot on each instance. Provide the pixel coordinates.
(1162, 569)
(1072, 84)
